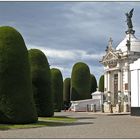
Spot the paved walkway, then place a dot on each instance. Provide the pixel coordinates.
(89, 125)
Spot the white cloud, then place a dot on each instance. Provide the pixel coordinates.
(68, 54)
(70, 57)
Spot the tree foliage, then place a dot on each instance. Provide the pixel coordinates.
(93, 83)
(16, 96)
(57, 88)
(66, 91)
(101, 83)
(80, 82)
(41, 80)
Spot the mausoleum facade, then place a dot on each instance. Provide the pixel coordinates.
(116, 62)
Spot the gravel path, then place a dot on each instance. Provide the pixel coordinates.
(89, 125)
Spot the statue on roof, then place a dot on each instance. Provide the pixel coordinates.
(129, 21)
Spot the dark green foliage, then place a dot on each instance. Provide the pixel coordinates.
(41, 80)
(101, 83)
(57, 88)
(93, 83)
(66, 91)
(80, 82)
(74, 94)
(16, 96)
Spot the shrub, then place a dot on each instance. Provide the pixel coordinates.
(16, 96)
(80, 82)
(93, 83)
(101, 83)
(57, 88)
(66, 91)
(41, 80)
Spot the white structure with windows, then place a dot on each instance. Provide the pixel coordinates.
(117, 79)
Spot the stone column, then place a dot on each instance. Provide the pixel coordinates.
(127, 90)
(105, 81)
(119, 89)
(119, 80)
(108, 84)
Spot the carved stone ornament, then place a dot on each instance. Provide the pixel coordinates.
(109, 57)
(112, 64)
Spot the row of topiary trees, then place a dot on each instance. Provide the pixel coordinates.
(16, 96)
(41, 82)
(81, 84)
(28, 87)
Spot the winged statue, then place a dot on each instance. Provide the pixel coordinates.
(129, 21)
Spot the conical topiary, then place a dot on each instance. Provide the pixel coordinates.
(41, 80)
(16, 96)
(101, 83)
(66, 91)
(57, 88)
(93, 83)
(80, 82)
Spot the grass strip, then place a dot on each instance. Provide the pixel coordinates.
(42, 122)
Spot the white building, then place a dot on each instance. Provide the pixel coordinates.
(88, 104)
(117, 78)
(135, 87)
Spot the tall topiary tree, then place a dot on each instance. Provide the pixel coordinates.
(66, 91)
(41, 80)
(80, 82)
(16, 96)
(93, 83)
(57, 88)
(101, 83)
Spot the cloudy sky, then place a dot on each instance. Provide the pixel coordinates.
(69, 32)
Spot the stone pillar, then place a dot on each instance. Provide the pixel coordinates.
(119, 88)
(119, 81)
(127, 75)
(127, 90)
(108, 83)
(105, 81)
(108, 89)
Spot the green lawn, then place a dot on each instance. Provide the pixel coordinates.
(42, 122)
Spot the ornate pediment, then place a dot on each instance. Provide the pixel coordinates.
(110, 56)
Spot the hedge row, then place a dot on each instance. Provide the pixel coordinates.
(25, 80)
(41, 81)
(28, 88)
(57, 88)
(16, 96)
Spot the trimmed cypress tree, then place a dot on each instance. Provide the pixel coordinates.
(93, 83)
(74, 94)
(66, 91)
(16, 96)
(41, 80)
(101, 83)
(80, 82)
(57, 88)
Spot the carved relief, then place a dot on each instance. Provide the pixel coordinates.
(112, 64)
(110, 56)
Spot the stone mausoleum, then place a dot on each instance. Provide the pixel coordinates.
(121, 77)
(117, 77)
